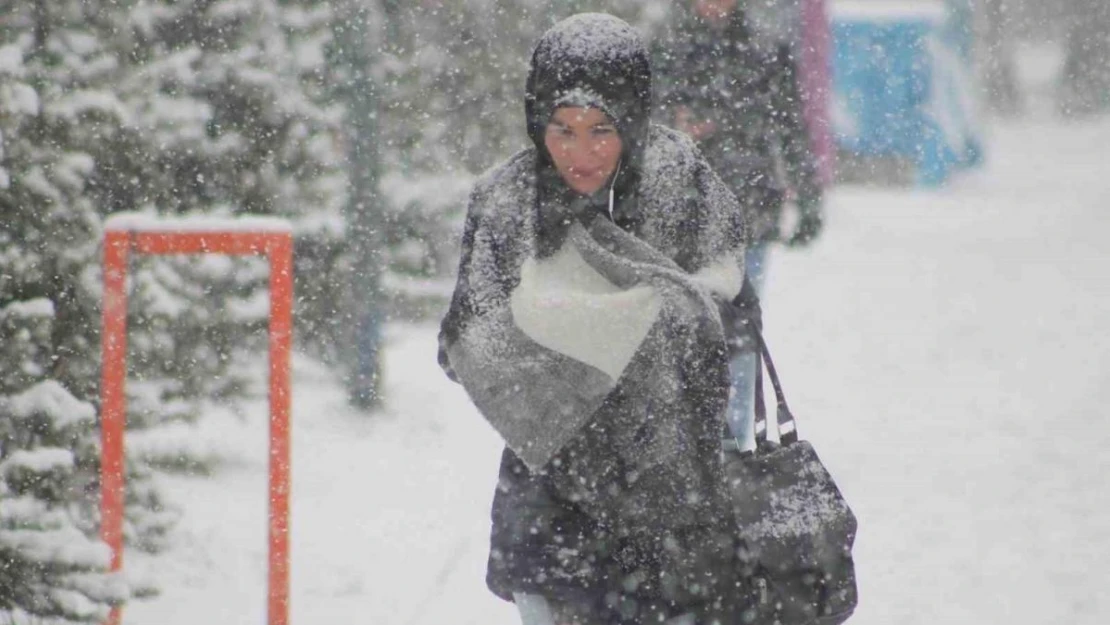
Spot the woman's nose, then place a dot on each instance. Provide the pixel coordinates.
(589, 149)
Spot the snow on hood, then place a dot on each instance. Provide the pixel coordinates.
(594, 55)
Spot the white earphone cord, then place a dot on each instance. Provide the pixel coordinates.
(612, 185)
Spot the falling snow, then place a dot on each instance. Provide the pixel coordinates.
(944, 347)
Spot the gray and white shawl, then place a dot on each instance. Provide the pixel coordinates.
(603, 364)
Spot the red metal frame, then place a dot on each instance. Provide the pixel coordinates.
(277, 246)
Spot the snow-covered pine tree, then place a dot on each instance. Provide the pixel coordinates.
(50, 567)
(228, 115)
(175, 108)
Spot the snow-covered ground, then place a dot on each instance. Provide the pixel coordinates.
(948, 353)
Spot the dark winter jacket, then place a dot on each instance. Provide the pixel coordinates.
(610, 493)
(752, 94)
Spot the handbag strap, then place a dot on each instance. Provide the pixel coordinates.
(787, 426)
(747, 304)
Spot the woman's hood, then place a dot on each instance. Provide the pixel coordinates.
(592, 59)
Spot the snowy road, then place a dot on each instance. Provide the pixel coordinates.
(947, 352)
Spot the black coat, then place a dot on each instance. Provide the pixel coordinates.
(546, 542)
(761, 144)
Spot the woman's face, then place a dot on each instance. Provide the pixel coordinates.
(584, 145)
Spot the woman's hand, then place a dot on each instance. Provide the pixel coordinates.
(810, 222)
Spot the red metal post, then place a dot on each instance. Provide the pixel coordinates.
(113, 337)
(204, 242)
(277, 245)
(280, 252)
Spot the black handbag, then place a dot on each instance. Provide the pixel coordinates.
(793, 518)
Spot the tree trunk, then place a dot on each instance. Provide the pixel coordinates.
(364, 212)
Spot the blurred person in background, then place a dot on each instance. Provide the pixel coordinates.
(739, 98)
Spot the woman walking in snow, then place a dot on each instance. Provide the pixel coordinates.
(586, 327)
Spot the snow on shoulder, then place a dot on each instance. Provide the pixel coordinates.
(592, 36)
(144, 222)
